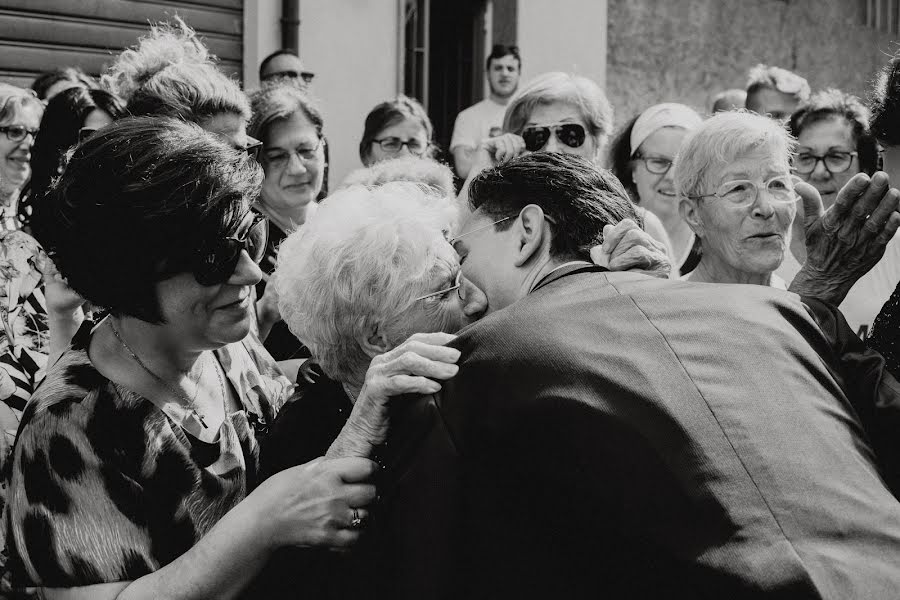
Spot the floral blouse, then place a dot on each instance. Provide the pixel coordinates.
(107, 486)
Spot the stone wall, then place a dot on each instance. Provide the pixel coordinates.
(688, 50)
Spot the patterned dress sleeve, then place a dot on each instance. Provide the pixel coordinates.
(885, 336)
(75, 512)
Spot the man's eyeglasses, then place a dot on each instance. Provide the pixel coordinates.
(306, 76)
(17, 133)
(570, 134)
(216, 263)
(279, 158)
(252, 148)
(453, 240)
(457, 283)
(392, 145)
(658, 165)
(834, 161)
(742, 193)
(85, 132)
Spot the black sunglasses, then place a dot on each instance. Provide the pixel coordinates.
(570, 134)
(215, 264)
(252, 148)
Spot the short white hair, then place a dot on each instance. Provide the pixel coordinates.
(556, 86)
(720, 140)
(354, 266)
(415, 169)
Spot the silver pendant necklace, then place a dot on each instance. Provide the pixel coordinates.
(175, 391)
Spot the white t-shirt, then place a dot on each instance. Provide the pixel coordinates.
(868, 295)
(479, 121)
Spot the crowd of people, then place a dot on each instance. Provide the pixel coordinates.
(576, 362)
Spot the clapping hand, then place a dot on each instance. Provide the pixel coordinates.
(846, 241)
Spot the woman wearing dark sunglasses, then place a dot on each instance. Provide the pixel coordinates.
(136, 461)
(558, 112)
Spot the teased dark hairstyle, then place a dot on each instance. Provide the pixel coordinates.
(832, 103)
(390, 113)
(885, 105)
(48, 79)
(62, 120)
(135, 202)
(501, 50)
(620, 158)
(580, 197)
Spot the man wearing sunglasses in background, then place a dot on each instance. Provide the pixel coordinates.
(610, 435)
(284, 64)
(485, 119)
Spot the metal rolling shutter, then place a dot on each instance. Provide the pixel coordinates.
(40, 35)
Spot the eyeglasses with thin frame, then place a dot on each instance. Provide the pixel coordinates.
(570, 134)
(457, 283)
(453, 240)
(835, 161)
(658, 165)
(393, 145)
(217, 262)
(17, 133)
(280, 157)
(742, 193)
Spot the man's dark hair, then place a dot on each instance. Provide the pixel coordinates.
(48, 79)
(501, 50)
(280, 52)
(832, 103)
(885, 105)
(136, 202)
(578, 197)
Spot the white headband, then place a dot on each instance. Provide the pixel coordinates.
(669, 114)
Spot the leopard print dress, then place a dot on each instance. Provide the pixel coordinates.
(106, 486)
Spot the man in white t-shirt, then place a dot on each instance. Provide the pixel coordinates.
(485, 119)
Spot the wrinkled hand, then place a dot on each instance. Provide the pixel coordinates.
(504, 148)
(627, 247)
(413, 367)
(846, 241)
(312, 504)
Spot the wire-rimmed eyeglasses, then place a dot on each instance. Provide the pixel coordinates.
(457, 284)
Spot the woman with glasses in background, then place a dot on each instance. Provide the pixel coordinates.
(641, 157)
(396, 128)
(834, 144)
(289, 125)
(733, 178)
(135, 471)
(20, 119)
(559, 112)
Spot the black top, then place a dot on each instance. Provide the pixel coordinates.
(281, 343)
(304, 429)
(885, 337)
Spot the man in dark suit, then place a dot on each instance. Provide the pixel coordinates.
(611, 435)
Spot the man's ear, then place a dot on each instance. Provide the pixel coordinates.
(373, 342)
(689, 209)
(532, 233)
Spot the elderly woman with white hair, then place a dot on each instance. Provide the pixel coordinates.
(737, 194)
(559, 112)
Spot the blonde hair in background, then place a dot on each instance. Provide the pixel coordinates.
(556, 86)
(171, 73)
